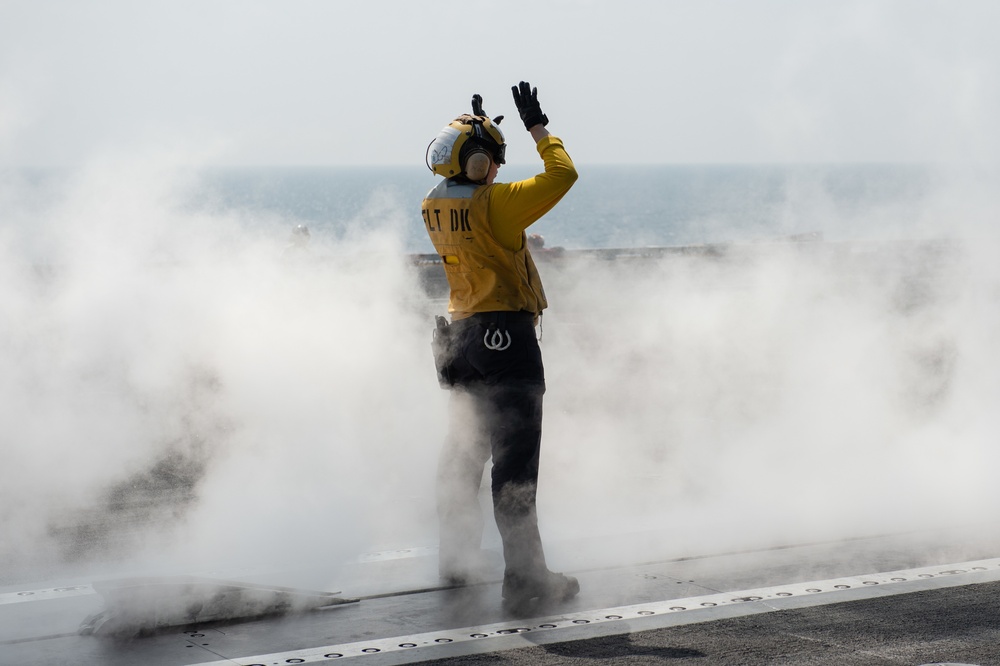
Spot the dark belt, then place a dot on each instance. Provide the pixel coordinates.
(500, 319)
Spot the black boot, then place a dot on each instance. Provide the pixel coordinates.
(528, 594)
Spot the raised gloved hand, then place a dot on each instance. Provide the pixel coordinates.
(526, 101)
(477, 108)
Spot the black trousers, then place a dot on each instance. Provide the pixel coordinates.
(496, 411)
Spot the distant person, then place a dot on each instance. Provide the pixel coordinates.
(536, 243)
(489, 355)
(298, 244)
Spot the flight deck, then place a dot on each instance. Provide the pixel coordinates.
(915, 598)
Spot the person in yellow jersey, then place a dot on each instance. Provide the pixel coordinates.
(488, 354)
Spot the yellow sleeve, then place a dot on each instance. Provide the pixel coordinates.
(513, 207)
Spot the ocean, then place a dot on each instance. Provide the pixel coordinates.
(610, 206)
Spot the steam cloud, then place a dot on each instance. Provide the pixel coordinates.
(175, 361)
(780, 393)
(245, 407)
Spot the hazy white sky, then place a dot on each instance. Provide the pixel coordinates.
(623, 81)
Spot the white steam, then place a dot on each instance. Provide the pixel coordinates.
(292, 397)
(778, 394)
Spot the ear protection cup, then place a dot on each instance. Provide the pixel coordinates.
(477, 165)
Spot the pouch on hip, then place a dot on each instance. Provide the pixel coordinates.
(443, 347)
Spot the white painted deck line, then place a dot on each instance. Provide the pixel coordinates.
(632, 618)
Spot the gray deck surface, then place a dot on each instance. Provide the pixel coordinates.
(938, 614)
(956, 625)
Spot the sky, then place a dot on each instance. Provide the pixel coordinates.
(310, 82)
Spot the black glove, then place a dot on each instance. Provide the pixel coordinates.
(477, 108)
(526, 101)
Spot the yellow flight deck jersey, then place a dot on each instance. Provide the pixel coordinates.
(478, 230)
